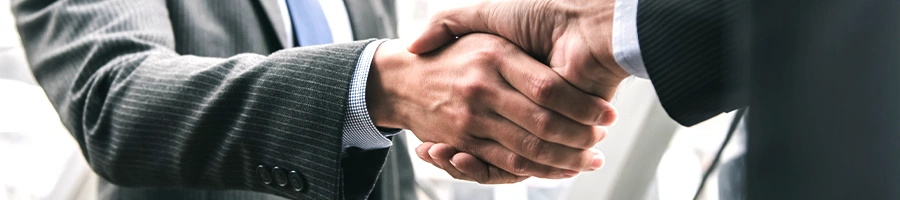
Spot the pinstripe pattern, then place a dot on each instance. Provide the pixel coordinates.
(686, 46)
(178, 94)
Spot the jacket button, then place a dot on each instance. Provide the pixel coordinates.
(297, 181)
(264, 174)
(279, 176)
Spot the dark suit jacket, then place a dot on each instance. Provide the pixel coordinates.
(687, 47)
(823, 77)
(187, 98)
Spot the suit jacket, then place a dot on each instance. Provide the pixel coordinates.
(823, 77)
(197, 99)
(688, 48)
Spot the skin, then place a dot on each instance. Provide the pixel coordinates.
(574, 37)
(482, 95)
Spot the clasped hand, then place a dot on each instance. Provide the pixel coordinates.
(512, 115)
(573, 37)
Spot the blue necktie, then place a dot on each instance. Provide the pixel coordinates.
(310, 26)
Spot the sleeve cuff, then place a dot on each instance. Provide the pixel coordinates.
(626, 48)
(359, 131)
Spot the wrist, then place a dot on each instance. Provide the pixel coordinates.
(597, 21)
(385, 80)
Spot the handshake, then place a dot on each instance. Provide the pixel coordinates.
(529, 98)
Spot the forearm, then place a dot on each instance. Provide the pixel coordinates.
(217, 118)
(146, 116)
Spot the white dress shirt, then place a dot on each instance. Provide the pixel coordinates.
(626, 48)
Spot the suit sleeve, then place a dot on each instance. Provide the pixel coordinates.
(145, 116)
(688, 51)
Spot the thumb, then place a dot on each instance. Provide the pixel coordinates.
(446, 26)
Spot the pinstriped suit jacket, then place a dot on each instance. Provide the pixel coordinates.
(689, 49)
(195, 94)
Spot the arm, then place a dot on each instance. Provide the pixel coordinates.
(146, 116)
(685, 49)
(593, 43)
(483, 95)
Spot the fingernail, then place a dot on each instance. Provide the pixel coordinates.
(456, 166)
(421, 156)
(436, 163)
(597, 162)
(603, 116)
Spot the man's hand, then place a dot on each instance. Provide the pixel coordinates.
(573, 36)
(482, 95)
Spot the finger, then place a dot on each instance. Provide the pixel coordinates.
(445, 26)
(501, 157)
(441, 155)
(543, 123)
(532, 147)
(545, 87)
(422, 152)
(482, 172)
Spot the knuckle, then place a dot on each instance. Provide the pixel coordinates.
(494, 44)
(489, 55)
(597, 136)
(541, 88)
(592, 136)
(537, 148)
(541, 121)
(464, 119)
(590, 142)
(519, 165)
(442, 17)
(471, 87)
(490, 49)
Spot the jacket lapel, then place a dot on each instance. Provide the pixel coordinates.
(273, 12)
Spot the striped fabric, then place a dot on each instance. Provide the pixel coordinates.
(359, 131)
(686, 46)
(189, 94)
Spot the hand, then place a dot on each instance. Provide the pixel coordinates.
(464, 166)
(573, 36)
(468, 95)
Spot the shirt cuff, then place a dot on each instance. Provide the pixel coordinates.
(359, 131)
(626, 48)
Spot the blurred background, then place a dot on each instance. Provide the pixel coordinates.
(649, 156)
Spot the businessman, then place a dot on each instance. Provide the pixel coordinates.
(212, 99)
(823, 75)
